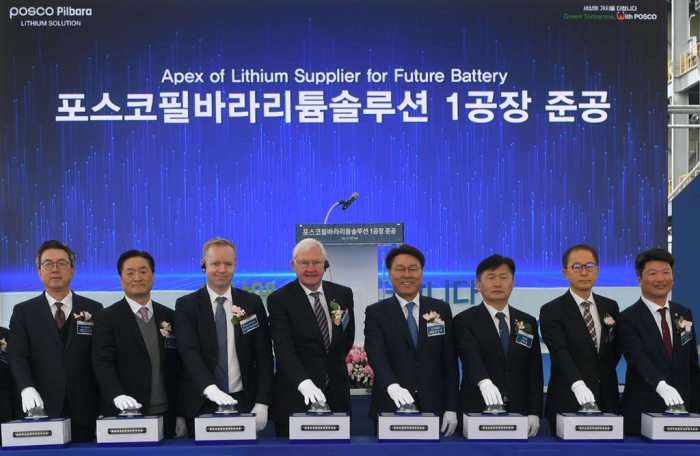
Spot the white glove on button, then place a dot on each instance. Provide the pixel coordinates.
(125, 402)
(399, 395)
(260, 411)
(668, 393)
(449, 423)
(310, 392)
(533, 425)
(583, 394)
(31, 399)
(214, 394)
(180, 427)
(490, 392)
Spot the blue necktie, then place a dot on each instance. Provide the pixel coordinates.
(412, 326)
(503, 331)
(221, 369)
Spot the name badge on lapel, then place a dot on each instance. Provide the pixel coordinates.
(686, 337)
(84, 328)
(346, 319)
(436, 329)
(524, 339)
(170, 341)
(249, 324)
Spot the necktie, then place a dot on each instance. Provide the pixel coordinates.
(503, 333)
(588, 319)
(221, 369)
(321, 319)
(60, 316)
(144, 314)
(412, 326)
(666, 333)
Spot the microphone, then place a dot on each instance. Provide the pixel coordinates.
(347, 203)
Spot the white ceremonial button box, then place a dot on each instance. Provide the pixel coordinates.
(322, 428)
(130, 431)
(421, 427)
(484, 427)
(225, 429)
(43, 433)
(660, 428)
(600, 427)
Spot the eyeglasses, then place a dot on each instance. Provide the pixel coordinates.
(401, 269)
(577, 267)
(48, 265)
(305, 264)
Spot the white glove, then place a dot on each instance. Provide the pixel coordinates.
(310, 392)
(31, 399)
(125, 402)
(449, 423)
(399, 395)
(490, 392)
(260, 411)
(214, 394)
(668, 393)
(583, 394)
(533, 425)
(180, 427)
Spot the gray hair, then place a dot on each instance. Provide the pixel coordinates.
(307, 244)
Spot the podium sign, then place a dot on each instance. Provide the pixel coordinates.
(39, 434)
(602, 427)
(660, 428)
(132, 431)
(491, 428)
(352, 233)
(225, 429)
(308, 427)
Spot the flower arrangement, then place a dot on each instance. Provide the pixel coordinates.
(683, 325)
(3, 345)
(336, 313)
(608, 320)
(361, 375)
(165, 329)
(238, 315)
(83, 316)
(432, 317)
(526, 328)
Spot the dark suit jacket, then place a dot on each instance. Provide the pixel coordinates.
(196, 342)
(300, 352)
(39, 359)
(574, 356)
(517, 376)
(121, 361)
(10, 407)
(428, 371)
(648, 363)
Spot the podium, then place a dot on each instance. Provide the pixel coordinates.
(352, 254)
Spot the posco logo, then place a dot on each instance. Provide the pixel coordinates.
(39, 11)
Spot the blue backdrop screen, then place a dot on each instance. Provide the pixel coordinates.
(512, 127)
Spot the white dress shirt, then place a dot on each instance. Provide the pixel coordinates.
(654, 309)
(67, 306)
(594, 313)
(324, 305)
(136, 307)
(235, 382)
(494, 318)
(416, 308)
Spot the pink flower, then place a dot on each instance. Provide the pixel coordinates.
(432, 317)
(685, 324)
(349, 368)
(369, 371)
(165, 328)
(238, 312)
(609, 320)
(3, 344)
(363, 355)
(356, 357)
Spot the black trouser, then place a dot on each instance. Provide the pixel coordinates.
(211, 407)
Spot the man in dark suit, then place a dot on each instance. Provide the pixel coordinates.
(134, 353)
(50, 346)
(579, 331)
(312, 324)
(657, 337)
(9, 398)
(499, 348)
(409, 344)
(224, 342)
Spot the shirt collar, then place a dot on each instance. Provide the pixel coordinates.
(213, 295)
(415, 300)
(579, 300)
(135, 306)
(307, 291)
(493, 311)
(653, 307)
(67, 301)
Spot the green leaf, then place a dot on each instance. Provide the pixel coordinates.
(334, 305)
(234, 321)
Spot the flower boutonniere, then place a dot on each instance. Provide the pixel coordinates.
(238, 315)
(683, 325)
(432, 317)
(165, 329)
(83, 316)
(3, 345)
(608, 320)
(526, 328)
(336, 313)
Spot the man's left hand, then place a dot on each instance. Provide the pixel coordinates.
(449, 423)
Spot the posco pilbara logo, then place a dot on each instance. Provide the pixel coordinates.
(48, 11)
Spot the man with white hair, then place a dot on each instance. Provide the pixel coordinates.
(312, 325)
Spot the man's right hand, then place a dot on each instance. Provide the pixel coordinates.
(214, 394)
(311, 392)
(669, 394)
(124, 402)
(399, 395)
(31, 399)
(490, 392)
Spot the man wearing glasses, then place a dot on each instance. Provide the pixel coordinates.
(579, 331)
(408, 339)
(312, 325)
(51, 342)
